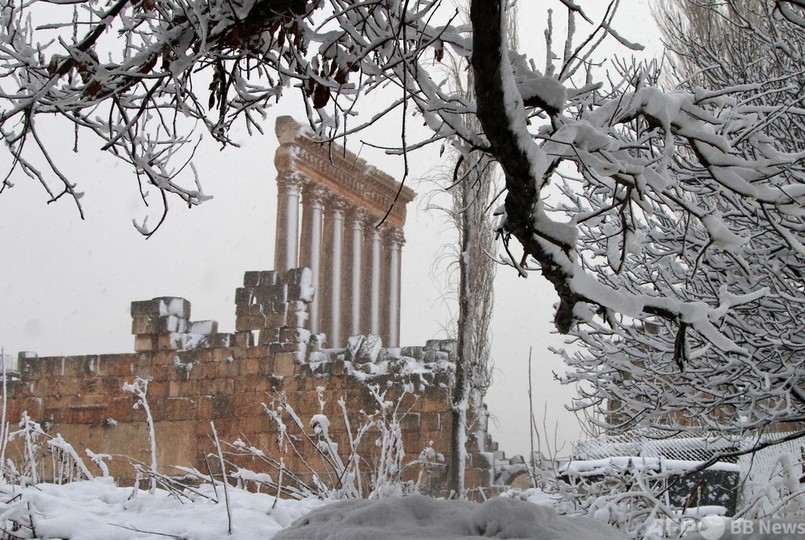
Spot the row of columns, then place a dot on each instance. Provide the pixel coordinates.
(355, 264)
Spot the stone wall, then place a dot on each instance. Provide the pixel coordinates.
(197, 376)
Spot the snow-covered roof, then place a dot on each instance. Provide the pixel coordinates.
(654, 443)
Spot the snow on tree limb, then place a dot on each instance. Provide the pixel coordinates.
(720, 227)
(631, 201)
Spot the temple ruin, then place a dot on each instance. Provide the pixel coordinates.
(319, 333)
(351, 235)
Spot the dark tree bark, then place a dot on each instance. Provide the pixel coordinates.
(522, 196)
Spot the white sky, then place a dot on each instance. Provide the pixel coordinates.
(67, 284)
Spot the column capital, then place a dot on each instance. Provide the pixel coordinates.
(334, 203)
(291, 180)
(394, 235)
(371, 228)
(315, 193)
(359, 216)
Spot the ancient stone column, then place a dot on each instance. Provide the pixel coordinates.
(353, 283)
(358, 218)
(313, 204)
(286, 250)
(374, 295)
(336, 240)
(395, 242)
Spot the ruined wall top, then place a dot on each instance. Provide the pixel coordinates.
(340, 171)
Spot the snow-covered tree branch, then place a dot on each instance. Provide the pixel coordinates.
(724, 238)
(679, 207)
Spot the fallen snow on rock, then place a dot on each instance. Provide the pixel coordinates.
(423, 517)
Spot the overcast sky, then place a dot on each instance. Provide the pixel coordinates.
(67, 284)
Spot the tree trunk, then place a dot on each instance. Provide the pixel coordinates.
(461, 388)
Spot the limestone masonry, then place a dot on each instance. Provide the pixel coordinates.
(197, 375)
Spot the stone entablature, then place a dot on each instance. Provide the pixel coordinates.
(340, 173)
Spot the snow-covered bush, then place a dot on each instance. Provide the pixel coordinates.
(336, 473)
(30, 455)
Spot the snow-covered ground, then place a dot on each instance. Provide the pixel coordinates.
(97, 509)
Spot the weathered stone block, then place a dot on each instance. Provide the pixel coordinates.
(204, 408)
(265, 277)
(294, 334)
(435, 400)
(244, 338)
(251, 279)
(121, 409)
(34, 406)
(246, 404)
(145, 343)
(174, 389)
(450, 346)
(353, 346)
(256, 310)
(189, 342)
(410, 422)
(248, 366)
(253, 424)
(169, 342)
(253, 383)
(157, 388)
(88, 385)
(316, 358)
(158, 325)
(216, 387)
(171, 305)
(433, 345)
(243, 296)
(212, 370)
(203, 327)
(265, 294)
(117, 365)
(242, 309)
(221, 340)
(222, 406)
(249, 322)
(430, 422)
(269, 277)
(369, 349)
(298, 348)
(284, 363)
(298, 319)
(161, 307)
(171, 324)
(141, 325)
(300, 293)
(86, 413)
(435, 356)
(145, 308)
(269, 336)
(295, 276)
(278, 295)
(277, 320)
(180, 408)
